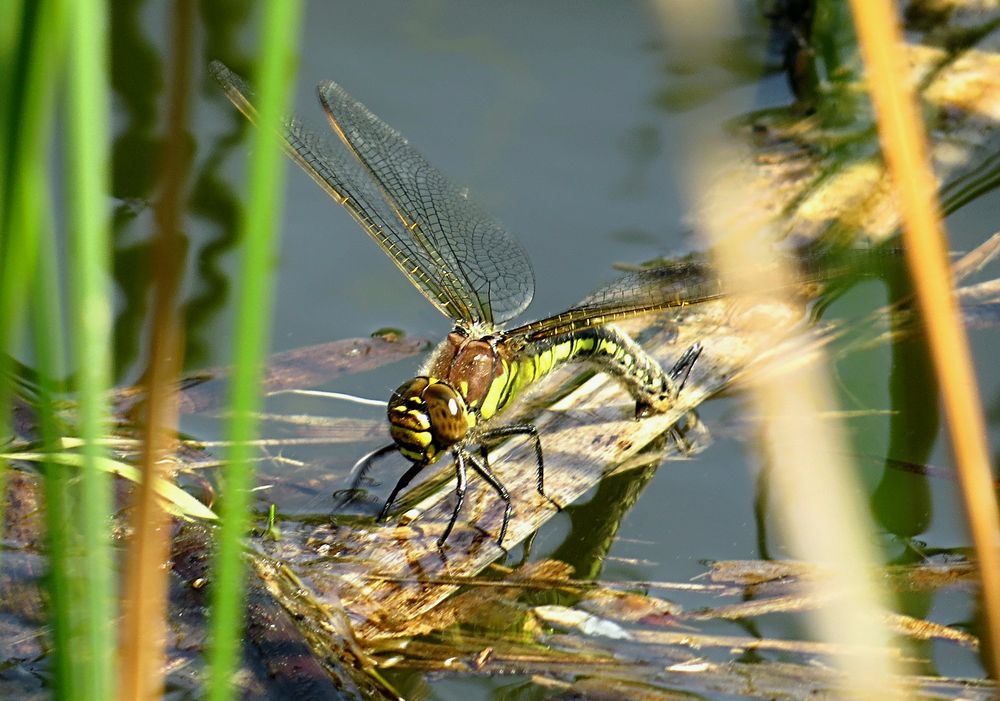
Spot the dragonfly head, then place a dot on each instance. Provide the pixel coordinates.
(427, 416)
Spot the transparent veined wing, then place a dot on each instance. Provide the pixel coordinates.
(470, 268)
(633, 294)
(471, 250)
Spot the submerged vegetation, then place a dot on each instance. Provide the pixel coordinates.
(277, 587)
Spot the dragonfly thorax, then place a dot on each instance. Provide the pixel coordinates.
(427, 416)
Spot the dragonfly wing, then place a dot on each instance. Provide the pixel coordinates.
(472, 252)
(687, 282)
(329, 163)
(633, 294)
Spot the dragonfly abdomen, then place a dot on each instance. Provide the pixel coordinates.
(605, 346)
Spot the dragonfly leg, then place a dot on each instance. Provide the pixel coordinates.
(462, 483)
(487, 474)
(681, 370)
(400, 486)
(521, 430)
(360, 469)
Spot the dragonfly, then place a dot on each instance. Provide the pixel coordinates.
(466, 263)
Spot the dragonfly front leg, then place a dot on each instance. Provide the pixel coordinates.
(401, 484)
(462, 483)
(360, 470)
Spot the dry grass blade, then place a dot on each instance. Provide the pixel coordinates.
(144, 605)
(902, 135)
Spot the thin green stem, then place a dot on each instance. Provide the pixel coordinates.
(60, 535)
(266, 180)
(30, 205)
(13, 27)
(29, 87)
(91, 313)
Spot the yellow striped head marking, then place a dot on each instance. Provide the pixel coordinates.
(426, 417)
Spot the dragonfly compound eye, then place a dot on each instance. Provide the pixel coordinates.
(447, 412)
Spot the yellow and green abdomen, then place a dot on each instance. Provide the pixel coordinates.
(610, 349)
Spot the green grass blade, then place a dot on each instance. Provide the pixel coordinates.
(11, 271)
(88, 129)
(60, 534)
(11, 14)
(31, 43)
(266, 178)
(30, 233)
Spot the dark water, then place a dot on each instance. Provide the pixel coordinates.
(564, 119)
